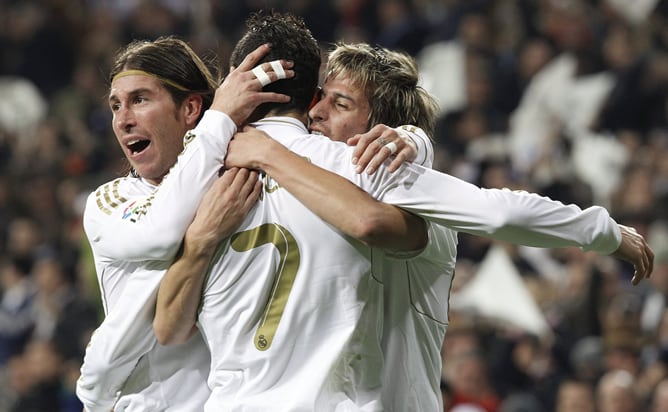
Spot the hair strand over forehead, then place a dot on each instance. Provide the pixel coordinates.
(172, 61)
(389, 80)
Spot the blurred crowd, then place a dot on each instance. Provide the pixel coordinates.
(566, 98)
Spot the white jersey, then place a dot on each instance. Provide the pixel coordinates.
(501, 214)
(135, 230)
(291, 368)
(415, 319)
(291, 312)
(415, 312)
(416, 291)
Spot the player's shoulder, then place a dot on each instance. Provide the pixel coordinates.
(315, 141)
(110, 195)
(320, 149)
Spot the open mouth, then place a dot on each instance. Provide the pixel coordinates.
(138, 146)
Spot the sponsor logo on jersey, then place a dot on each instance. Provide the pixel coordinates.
(135, 210)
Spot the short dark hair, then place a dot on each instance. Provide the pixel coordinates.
(174, 63)
(290, 40)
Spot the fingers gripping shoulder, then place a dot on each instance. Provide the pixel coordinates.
(425, 147)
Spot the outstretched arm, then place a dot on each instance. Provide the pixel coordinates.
(414, 145)
(220, 213)
(513, 216)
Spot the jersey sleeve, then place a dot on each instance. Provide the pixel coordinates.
(425, 148)
(425, 157)
(513, 216)
(120, 341)
(151, 227)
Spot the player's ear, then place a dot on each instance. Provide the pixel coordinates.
(192, 108)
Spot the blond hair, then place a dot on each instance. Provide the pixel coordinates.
(389, 80)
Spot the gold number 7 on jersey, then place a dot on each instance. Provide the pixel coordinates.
(284, 278)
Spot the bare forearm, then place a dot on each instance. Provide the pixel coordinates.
(222, 209)
(179, 295)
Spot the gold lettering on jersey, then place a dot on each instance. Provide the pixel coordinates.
(284, 277)
(270, 185)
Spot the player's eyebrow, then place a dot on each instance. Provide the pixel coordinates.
(132, 93)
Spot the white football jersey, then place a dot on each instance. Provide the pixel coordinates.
(290, 350)
(135, 229)
(415, 320)
(416, 291)
(415, 311)
(291, 312)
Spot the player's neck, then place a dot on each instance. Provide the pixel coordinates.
(295, 114)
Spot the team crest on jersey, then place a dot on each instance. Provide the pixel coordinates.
(135, 210)
(262, 342)
(189, 137)
(409, 128)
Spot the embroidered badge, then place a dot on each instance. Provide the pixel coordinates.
(189, 137)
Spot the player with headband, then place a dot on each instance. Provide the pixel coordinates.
(160, 93)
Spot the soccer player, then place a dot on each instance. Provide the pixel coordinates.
(134, 222)
(416, 291)
(275, 320)
(159, 90)
(380, 85)
(310, 285)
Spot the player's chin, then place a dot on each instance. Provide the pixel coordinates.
(148, 171)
